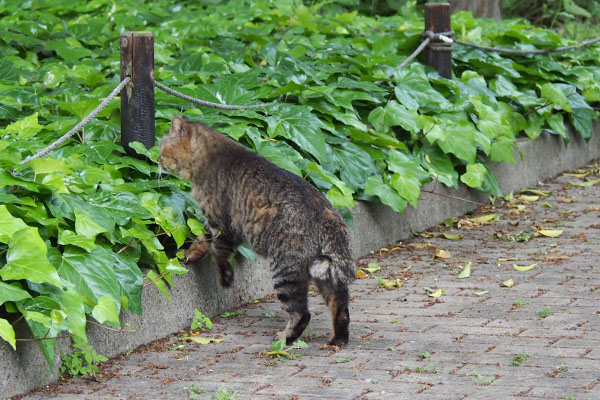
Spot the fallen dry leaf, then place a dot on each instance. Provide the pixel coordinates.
(529, 199)
(201, 339)
(535, 192)
(552, 233)
(360, 274)
(385, 283)
(466, 271)
(434, 293)
(524, 268)
(483, 219)
(440, 253)
(585, 184)
(450, 236)
(508, 283)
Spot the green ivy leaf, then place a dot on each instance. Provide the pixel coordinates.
(407, 186)
(69, 237)
(388, 196)
(394, 114)
(438, 164)
(502, 150)
(457, 139)
(9, 224)
(106, 311)
(26, 259)
(92, 273)
(557, 126)
(86, 226)
(26, 127)
(299, 125)
(407, 164)
(474, 176)
(11, 292)
(489, 122)
(71, 303)
(340, 195)
(556, 96)
(7, 179)
(69, 49)
(8, 333)
(247, 252)
(414, 91)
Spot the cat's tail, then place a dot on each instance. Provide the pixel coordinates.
(334, 267)
(331, 272)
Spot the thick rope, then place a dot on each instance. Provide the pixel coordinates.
(206, 103)
(442, 41)
(80, 125)
(415, 53)
(544, 51)
(444, 37)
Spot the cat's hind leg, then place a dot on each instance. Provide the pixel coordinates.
(337, 299)
(292, 293)
(222, 250)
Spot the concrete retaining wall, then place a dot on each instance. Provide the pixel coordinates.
(375, 226)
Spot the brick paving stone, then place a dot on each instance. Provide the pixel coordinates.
(407, 345)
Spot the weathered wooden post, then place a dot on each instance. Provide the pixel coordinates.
(137, 97)
(438, 54)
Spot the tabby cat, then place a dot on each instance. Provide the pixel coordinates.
(247, 199)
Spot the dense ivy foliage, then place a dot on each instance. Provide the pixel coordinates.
(75, 225)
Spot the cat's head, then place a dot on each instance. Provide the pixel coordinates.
(176, 148)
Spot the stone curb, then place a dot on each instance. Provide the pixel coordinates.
(26, 369)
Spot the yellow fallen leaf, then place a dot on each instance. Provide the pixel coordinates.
(537, 192)
(524, 268)
(466, 271)
(419, 246)
(529, 199)
(550, 232)
(440, 253)
(585, 184)
(202, 340)
(436, 294)
(360, 274)
(450, 236)
(389, 284)
(483, 219)
(481, 293)
(508, 283)
(580, 175)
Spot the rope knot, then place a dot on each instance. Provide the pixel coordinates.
(439, 41)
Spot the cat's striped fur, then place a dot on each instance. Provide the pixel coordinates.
(246, 198)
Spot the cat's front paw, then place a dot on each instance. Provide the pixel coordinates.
(197, 251)
(338, 341)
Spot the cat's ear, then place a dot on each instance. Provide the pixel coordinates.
(179, 125)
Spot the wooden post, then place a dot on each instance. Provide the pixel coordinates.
(437, 20)
(137, 97)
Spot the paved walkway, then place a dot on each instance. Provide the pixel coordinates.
(537, 339)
